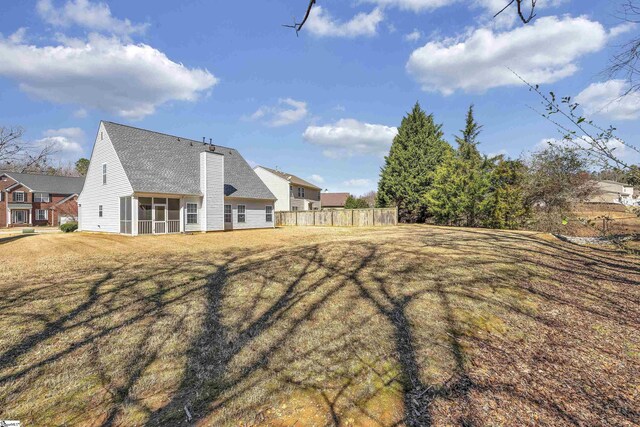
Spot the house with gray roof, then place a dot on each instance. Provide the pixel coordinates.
(28, 199)
(292, 192)
(145, 182)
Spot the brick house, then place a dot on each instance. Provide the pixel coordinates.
(38, 200)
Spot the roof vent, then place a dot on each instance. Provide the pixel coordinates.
(212, 147)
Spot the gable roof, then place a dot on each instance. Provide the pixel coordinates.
(333, 199)
(48, 183)
(292, 178)
(159, 163)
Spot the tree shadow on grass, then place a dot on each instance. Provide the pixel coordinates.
(346, 322)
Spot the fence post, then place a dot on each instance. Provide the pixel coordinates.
(352, 214)
(332, 212)
(296, 218)
(373, 216)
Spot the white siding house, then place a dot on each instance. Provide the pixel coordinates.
(95, 211)
(144, 182)
(292, 192)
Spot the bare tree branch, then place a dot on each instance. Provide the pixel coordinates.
(626, 61)
(298, 26)
(524, 17)
(20, 156)
(521, 7)
(581, 132)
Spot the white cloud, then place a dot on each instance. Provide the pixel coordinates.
(322, 24)
(317, 179)
(130, 80)
(543, 52)
(413, 36)
(622, 29)
(348, 137)
(412, 5)
(19, 36)
(84, 13)
(80, 113)
(617, 147)
(610, 99)
(288, 111)
(66, 143)
(358, 182)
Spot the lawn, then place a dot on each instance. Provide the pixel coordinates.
(408, 325)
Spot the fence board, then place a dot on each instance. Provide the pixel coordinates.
(339, 218)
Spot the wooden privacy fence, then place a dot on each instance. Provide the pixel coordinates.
(340, 218)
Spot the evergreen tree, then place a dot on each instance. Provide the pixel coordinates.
(505, 205)
(355, 203)
(408, 172)
(461, 183)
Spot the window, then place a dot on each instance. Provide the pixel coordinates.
(294, 208)
(104, 173)
(41, 197)
(42, 214)
(101, 136)
(1, 196)
(145, 209)
(125, 215)
(269, 213)
(100, 211)
(242, 217)
(18, 196)
(301, 192)
(192, 213)
(228, 216)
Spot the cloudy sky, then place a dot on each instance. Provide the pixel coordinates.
(324, 105)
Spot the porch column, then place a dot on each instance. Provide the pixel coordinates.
(182, 214)
(134, 215)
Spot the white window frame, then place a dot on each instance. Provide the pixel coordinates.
(228, 215)
(104, 174)
(268, 210)
(242, 219)
(301, 192)
(191, 214)
(37, 197)
(15, 199)
(46, 214)
(294, 208)
(99, 211)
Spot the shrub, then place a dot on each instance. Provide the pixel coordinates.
(69, 227)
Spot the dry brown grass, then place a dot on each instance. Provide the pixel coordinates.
(410, 325)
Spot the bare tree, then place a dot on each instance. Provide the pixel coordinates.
(602, 145)
(18, 155)
(625, 62)
(525, 9)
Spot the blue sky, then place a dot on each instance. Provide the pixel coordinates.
(323, 105)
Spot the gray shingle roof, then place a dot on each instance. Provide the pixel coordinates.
(48, 183)
(159, 163)
(292, 178)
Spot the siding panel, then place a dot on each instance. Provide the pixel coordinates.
(95, 193)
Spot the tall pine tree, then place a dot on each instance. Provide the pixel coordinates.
(461, 182)
(408, 172)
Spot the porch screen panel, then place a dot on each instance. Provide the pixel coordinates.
(125, 215)
(174, 210)
(144, 209)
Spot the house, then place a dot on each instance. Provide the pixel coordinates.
(614, 192)
(334, 200)
(42, 200)
(145, 182)
(293, 193)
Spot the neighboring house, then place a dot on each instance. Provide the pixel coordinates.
(30, 199)
(293, 193)
(334, 200)
(145, 182)
(613, 192)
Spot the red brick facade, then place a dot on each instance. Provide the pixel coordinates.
(59, 205)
